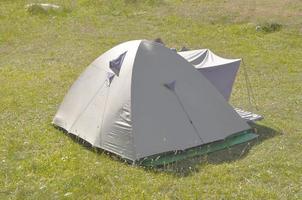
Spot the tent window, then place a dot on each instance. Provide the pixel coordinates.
(116, 64)
(110, 77)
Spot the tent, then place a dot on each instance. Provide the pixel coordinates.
(140, 99)
(221, 72)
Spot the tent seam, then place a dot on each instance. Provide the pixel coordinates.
(75, 121)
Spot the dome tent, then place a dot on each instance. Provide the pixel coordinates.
(141, 99)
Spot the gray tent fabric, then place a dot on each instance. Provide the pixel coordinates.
(136, 115)
(171, 86)
(219, 71)
(195, 57)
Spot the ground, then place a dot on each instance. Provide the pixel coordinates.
(41, 54)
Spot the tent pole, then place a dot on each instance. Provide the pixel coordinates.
(250, 93)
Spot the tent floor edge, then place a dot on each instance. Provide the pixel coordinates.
(174, 156)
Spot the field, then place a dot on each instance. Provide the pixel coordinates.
(41, 54)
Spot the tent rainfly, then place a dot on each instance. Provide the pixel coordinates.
(140, 100)
(221, 72)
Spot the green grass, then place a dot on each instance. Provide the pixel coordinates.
(41, 55)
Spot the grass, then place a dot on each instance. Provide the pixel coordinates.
(42, 54)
